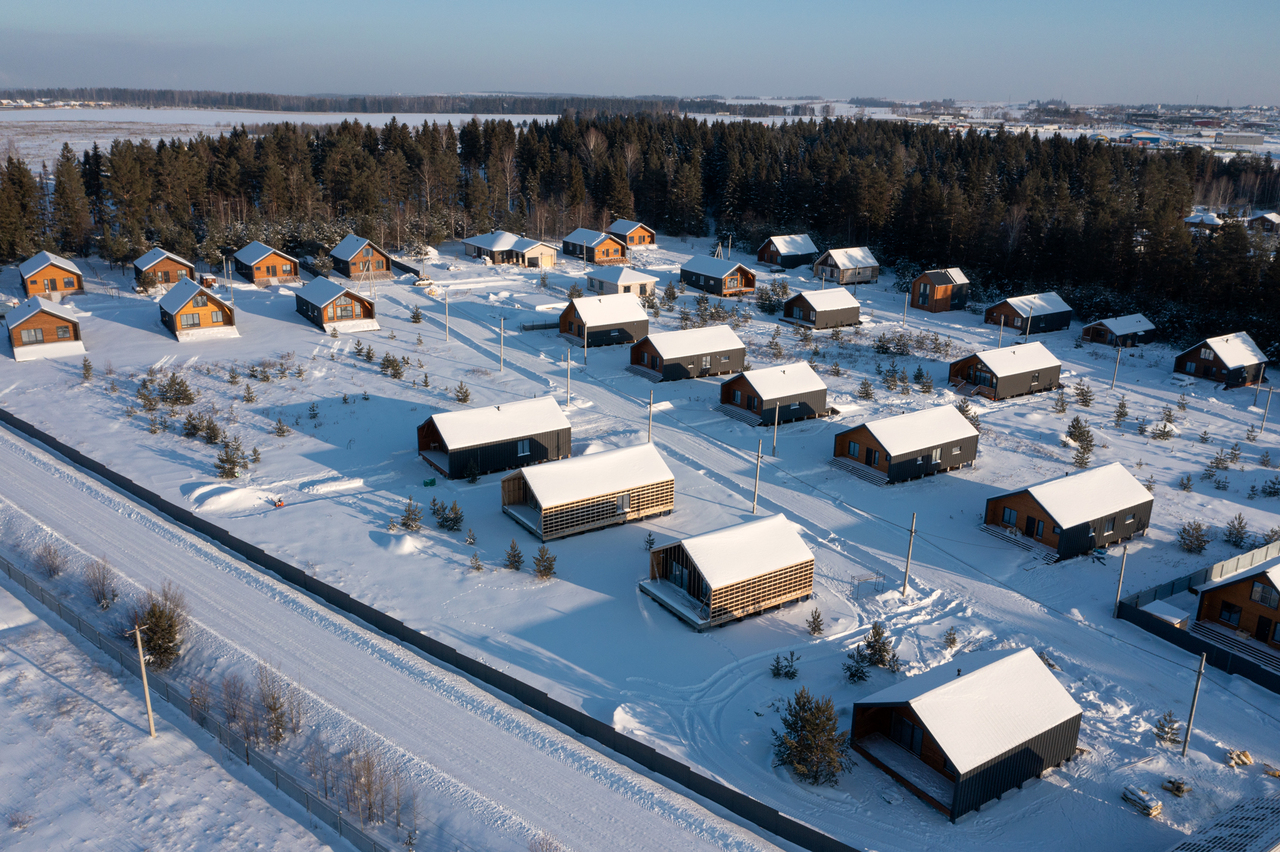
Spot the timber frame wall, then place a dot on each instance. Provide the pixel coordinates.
(593, 512)
(734, 601)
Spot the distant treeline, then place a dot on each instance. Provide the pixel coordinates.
(1101, 224)
(398, 104)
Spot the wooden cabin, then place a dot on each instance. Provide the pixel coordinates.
(503, 247)
(712, 579)
(40, 328)
(1267, 223)
(1007, 372)
(589, 492)
(500, 437)
(621, 279)
(50, 277)
(966, 731)
(633, 233)
(1233, 359)
(360, 260)
(1075, 514)
(594, 247)
(605, 320)
(330, 306)
(909, 446)
(1247, 601)
(691, 353)
(831, 308)
(261, 265)
(1122, 332)
(717, 276)
(1034, 314)
(788, 251)
(791, 391)
(191, 312)
(940, 290)
(847, 266)
(165, 269)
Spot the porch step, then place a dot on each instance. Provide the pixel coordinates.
(738, 414)
(861, 471)
(1233, 643)
(1042, 553)
(644, 373)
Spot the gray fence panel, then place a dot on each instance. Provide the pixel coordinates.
(323, 811)
(180, 702)
(263, 764)
(355, 835)
(286, 784)
(234, 742)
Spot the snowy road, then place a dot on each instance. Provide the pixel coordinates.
(517, 775)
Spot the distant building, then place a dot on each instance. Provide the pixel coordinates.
(501, 247)
(263, 266)
(40, 328)
(1033, 314)
(1247, 601)
(1122, 332)
(191, 312)
(50, 277)
(691, 353)
(165, 268)
(605, 320)
(834, 307)
(1239, 139)
(787, 251)
(594, 247)
(1268, 223)
(633, 233)
(330, 306)
(940, 290)
(909, 446)
(360, 260)
(1204, 221)
(1233, 359)
(499, 437)
(621, 279)
(847, 266)
(791, 391)
(717, 276)
(1007, 372)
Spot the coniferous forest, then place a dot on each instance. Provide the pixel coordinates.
(1101, 224)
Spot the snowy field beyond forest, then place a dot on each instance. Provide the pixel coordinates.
(590, 638)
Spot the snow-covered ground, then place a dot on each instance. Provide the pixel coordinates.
(591, 638)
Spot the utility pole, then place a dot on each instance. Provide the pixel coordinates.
(1116, 373)
(502, 343)
(650, 417)
(142, 664)
(1186, 740)
(446, 315)
(906, 575)
(1265, 411)
(1030, 313)
(775, 430)
(1115, 611)
(586, 332)
(568, 374)
(906, 300)
(1000, 339)
(755, 495)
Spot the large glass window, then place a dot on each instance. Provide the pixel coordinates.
(32, 335)
(189, 320)
(522, 447)
(1265, 595)
(1010, 516)
(200, 301)
(1230, 613)
(906, 734)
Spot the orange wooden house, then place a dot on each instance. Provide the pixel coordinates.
(1248, 602)
(361, 260)
(262, 265)
(332, 307)
(190, 312)
(39, 328)
(633, 233)
(165, 268)
(594, 247)
(51, 277)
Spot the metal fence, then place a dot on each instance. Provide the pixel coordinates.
(750, 809)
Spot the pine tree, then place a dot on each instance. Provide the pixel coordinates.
(1185, 483)
(857, 669)
(1193, 537)
(1081, 457)
(411, 518)
(1252, 435)
(866, 390)
(815, 623)
(1166, 415)
(969, 414)
(163, 618)
(515, 559)
(649, 541)
(1205, 437)
(1182, 402)
(1169, 729)
(255, 456)
(473, 472)
(1060, 402)
(249, 395)
(462, 393)
(476, 564)
(233, 376)
(544, 564)
(281, 429)
(1122, 412)
(416, 316)
(785, 667)
(1236, 532)
(231, 460)
(1084, 394)
(950, 639)
(72, 220)
(86, 369)
(878, 645)
(810, 742)
(313, 411)
(471, 536)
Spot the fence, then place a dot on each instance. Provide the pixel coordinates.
(539, 326)
(738, 803)
(126, 656)
(1130, 610)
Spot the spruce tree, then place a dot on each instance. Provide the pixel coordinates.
(810, 742)
(815, 624)
(411, 518)
(1122, 412)
(969, 414)
(1169, 729)
(857, 669)
(1193, 537)
(515, 559)
(281, 429)
(866, 391)
(476, 564)
(416, 316)
(1236, 532)
(544, 564)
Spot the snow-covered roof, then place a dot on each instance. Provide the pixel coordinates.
(1250, 825)
(1270, 217)
(831, 299)
(1271, 568)
(1130, 324)
(609, 310)
(714, 267)
(322, 291)
(1090, 494)
(786, 380)
(350, 246)
(502, 241)
(39, 261)
(256, 251)
(35, 305)
(621, 275)
(1203, 219)
(1236, 350)
(792, 244)
(852, 258)
(1000, 700)
(1023, 358)
(626, 226)
(747, 550)
(951, 275)
(567, 480)
(905, 433)
(476, 426)
(1038, 304)
(694, 341)
(181, 293)
(156, 255)
(587, 237)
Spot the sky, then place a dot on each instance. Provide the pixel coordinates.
(1084, 51)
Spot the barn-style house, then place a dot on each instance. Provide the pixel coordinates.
(589, 492)
(165, 269)
(476, 441)
(1233, 359)
(834, 307)
(360, 260)
(191, 312)
(711, 579)
(330, 306)
(717, 276)
(263, 266)
(788, 392)
(847, 266)
(909, 446)
(604, 320)
(39, 328)
(940, 290)
(1007, 372)
(690, 353)
(49, 276)
(789, 251)
(1123, 332)
(1033, 314)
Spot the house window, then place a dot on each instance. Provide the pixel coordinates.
(919, 459)
(955, 451)
(1057, 530)
(32, 335)
(68, 283)
(522, 447)
(1010, 517)
(1206, 354)
(613, 333)
(1265, 595)
(189, 320)
(64, 332)
(1017, 322)
(1131, 517)
(377, 264)
(706, 362)
(1035, 378)
(937, 455)
(907, 735)
(853, 449)
(1189, 367)
(286, 269)
(793, 406)
(366, 252)
(1039, 529)
(215, 317)
(1230, 613)
(624, 503)
(1111, 525)
(200, 302)
(737, 397)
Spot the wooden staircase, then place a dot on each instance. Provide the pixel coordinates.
(867, 474)
(1245, 648)
(738, 414)
(1042, 553)
(644, 373)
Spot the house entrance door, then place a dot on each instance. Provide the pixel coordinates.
(1031, 527)
(1263, 631)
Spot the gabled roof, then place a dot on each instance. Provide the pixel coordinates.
(906, 433)
(622, 275)
(1038, 304)
(999, 700)
(851, 258)
(322, 291)
(1088, 495)
(351, 246)
(1130, 324)
(949, 276)
(565, 481)
(609, 310)
(36, 305)
(502, 241)
(586, 237)
(831, 299)
(473, 427)
(626, 226)
(1235, 350)
(792, 244)
(182, 293)
(788, 379)
(713, 267)
(746, 550)
(1208, 219)
(1270, 217)
(256, 251)
(1271, 568)
(158, 254)
(694, 341)
(1023, 358)
(36, 262)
